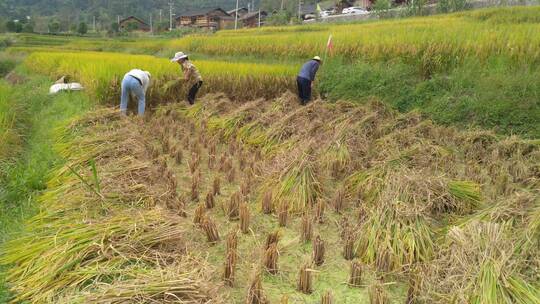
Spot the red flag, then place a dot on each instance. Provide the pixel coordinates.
(330, 44)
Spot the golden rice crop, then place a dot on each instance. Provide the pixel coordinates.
(449, 38)
(101, 74)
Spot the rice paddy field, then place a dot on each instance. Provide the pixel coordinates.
(413, 177)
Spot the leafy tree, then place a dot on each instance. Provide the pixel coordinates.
(54, 26)
(83, 28)
(14, 26)
(28, 27)
(11, 26)
(382, 7)
(162, 26)
(279, 18)
(115, 28)
(415, 8)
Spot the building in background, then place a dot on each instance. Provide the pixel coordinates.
(252, 19)
(212, 19)
(242, 11)
(133, 23)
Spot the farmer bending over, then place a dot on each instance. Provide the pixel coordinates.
(305, 79)
(134, 85)
(191, 75)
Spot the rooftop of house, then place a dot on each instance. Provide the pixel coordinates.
(133, 18)
(202, 12)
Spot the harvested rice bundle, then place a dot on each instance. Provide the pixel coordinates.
(232, 147)
(210, 229)
(466, 191)
(230, 268)
(327, 298)
(195, 184)
(377, 294)
(209, 201)
(153, 151)
(337, 158)
(318, 251)
(211, 161)
(355, 278)
(299, 183)
(393, 241)
(255, 294)
(178, 156)
(194, 163)
(305, 280)
(480, 263)
(271, 256)
(344, 227)
(382, 261)
(199, 214)
(244, 217)
(319, 211)
(212, 148)
(231, 175)
(267, 204)
(272, 238)
(283, 213)
(241, 161)
(307, 229)
(339, 200)
(186, 142)
(172, 284)
(223, 163)
(245, 188)
(232, 240)
(180, 206)
(233, 210)
(415, 287)
(349, 251)
(216, 186)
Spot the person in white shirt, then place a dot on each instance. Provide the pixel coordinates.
(134, 85)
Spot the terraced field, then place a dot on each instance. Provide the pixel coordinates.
(248, 197)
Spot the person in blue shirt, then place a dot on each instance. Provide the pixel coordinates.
(305, 79)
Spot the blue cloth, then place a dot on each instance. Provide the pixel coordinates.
(132, 88)
(309, 70)
(304, 90)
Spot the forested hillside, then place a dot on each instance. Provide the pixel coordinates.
(112, 8)
(71, 12)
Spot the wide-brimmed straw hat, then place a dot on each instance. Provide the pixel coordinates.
(178, 56)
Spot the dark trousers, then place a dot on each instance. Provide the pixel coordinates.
(304, 89)
(193, 92)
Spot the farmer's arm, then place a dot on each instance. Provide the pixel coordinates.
(314, 70)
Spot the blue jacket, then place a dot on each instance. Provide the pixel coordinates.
(309, 70)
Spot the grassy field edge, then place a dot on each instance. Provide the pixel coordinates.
(40, 119)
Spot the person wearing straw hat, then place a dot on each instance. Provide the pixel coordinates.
(191, 75)
(305, 79)
(134, 85)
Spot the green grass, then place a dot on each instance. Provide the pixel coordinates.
(25, 175)
(498, 95)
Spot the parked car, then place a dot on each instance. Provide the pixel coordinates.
(355, 11)
(327, 13)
